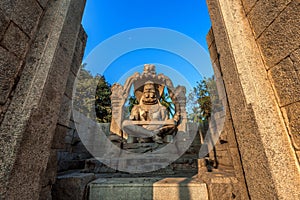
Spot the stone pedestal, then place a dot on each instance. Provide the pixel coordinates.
(147, 188)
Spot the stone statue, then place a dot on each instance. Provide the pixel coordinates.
(149, 121)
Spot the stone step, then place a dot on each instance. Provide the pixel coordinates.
(181, 165)
(147, 189)
(71, 185)
(93, 165)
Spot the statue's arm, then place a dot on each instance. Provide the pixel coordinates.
(134, 115)
(165, 116)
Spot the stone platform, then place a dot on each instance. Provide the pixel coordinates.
(154, 188)
(183, 165)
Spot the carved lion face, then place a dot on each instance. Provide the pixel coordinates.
(150, 94)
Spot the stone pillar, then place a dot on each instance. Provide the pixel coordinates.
(29, 123)
(225, 155)
(63, 149)
(118, 99)
(269, 161)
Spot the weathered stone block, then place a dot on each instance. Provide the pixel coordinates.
(72, 186)
(66, 165)
(286, 82)
(221, 190)
(183, 165)
(76, 62)
(59, 137)
(222, 184)
(68, 160)
(292, 112)
(238, 171)
(9, 66)
(26, 14)
(43, 3)
(227, 138)
(224, 158)
(147, 188)
(65, 111)
(49, 176)
(64, 155)
(79, 51)
(282, 36)
(249, 4)
(15, 40)
(261, 15)
(180, 188)
(70, 85)
(4, 22)
(78, 146)
(222, 143)
(213, 52)
(45, 193)
(220, 92)
(210, 37)
(95, 166)
(7, 7)
(68, 139)
(295, 57)
(3, 109)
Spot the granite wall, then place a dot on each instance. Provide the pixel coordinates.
(254, 45)
(276, 28)
(18, 26)
(41, 47)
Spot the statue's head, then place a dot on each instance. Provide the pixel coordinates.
(150, 94)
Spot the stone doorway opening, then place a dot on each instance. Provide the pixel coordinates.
(186, 166)
(254, 52)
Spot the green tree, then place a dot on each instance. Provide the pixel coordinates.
(85, 89)
(102, 100)
(166, 101)
(93, 96)
(204, 100)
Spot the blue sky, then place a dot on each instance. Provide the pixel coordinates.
(117, 31)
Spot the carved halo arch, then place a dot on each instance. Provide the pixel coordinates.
(120, 94)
